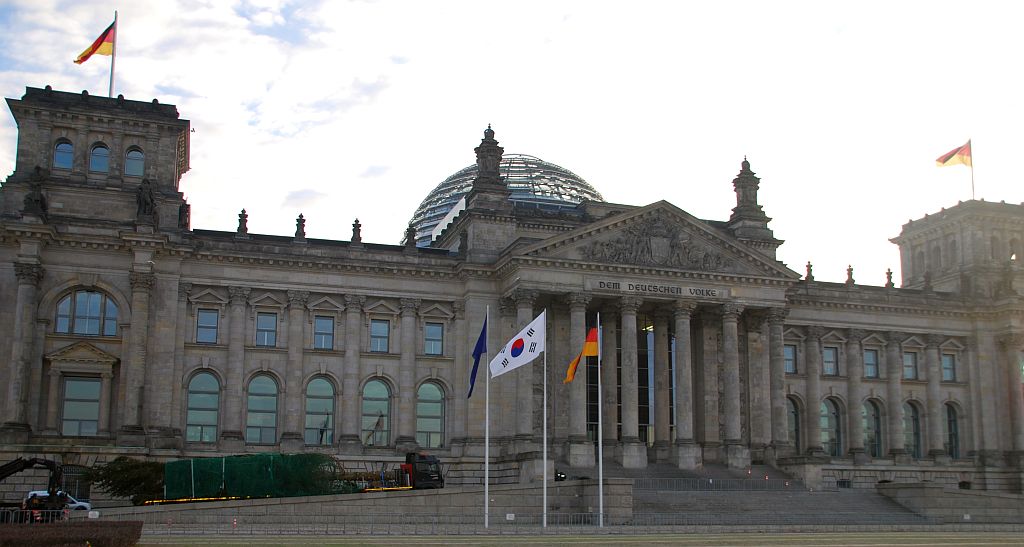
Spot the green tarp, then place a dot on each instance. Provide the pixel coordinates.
(250, 476)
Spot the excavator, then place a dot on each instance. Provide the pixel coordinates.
(39, 506)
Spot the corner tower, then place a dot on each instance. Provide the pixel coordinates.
(748, 222)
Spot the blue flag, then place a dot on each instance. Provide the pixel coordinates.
(480, 349)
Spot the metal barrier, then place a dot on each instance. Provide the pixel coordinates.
(681, 484)
(31, 516)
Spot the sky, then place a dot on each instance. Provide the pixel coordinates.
(357, 109)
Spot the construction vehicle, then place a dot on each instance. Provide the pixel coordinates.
(44, 506)
(423, 470)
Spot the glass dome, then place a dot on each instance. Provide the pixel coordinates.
(531, 180)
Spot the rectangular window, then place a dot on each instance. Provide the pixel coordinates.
(266, 329)
(433, 339)
(380, 329)
(789, 357)
(830, 361)
(871, 363)
(948, 367)
(323, 332)
(206, 326)
(909, 365)
(81, 410)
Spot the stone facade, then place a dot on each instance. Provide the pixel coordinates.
(131, 332)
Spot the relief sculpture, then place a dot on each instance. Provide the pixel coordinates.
(654, 242)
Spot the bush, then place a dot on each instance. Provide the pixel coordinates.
(125, 477)
(97, 533)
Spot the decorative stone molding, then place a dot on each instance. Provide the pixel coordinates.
(298, 298)
(409, 305)
(459, 309)
(895, 337)
(239, 295)
(184, 289)
(577, 300)
(856, 335)
(630, 304)
(777, 316)
(1012, 341)
(815, 332)
(731, 312)
(933, 340)
(141, 281)
(28, 274)
(683, 309)
(354, 301)
(657, 241)
(525, 297)
(507, 307)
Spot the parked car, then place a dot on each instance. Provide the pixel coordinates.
(71, 504)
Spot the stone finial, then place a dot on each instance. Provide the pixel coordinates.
(410, 237)
(849, 275)
(357, 232)
(300, 227)
(746, 185)
(810, 272)
(243, 222)
(488, 159)
(888, 279)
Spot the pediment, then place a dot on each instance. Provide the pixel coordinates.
(381, 307)
(436, 311)
(659, 235)
(267, 300)
(81, 352)
(208, 296)
(326, 303)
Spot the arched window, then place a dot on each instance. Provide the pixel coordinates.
(872, 420)
(134, 163)
(99, 159)
(912, 430)
(793, 418)
(203, 404)
(261, 422)
(952, 432)
(430, 416)
(87, 313)
(996, 248)
(831, 440)
(63, 155)
(376, 414)
(319, 409)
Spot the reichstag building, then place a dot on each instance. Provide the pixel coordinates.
(132, 332)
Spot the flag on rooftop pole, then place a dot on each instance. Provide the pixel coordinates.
(478, 350)
(589, 350)
(960, 155)
(522, 348)
(106, 44)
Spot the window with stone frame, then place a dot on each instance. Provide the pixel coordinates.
(380, 334)
(323, 332)
(376, 414)
(910, 365)
(134, 162)
(433, 338)
(912, 430)
(266, 329)
(948, 367)
(63, 154)
(831, 428)
(952, 431)
(871, 416)
(319, 412)
(203, 408)
(430, 416)
(86, 313)
(793, 423)
(789, 358)
(99, 158)
(80, 412)
(261, 411)
(871, 363)
(207, 322)
(830, 361)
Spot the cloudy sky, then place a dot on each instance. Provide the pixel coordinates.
(346, 109)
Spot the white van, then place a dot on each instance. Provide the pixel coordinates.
(72, 502)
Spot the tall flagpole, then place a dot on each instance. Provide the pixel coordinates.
(600, 428)
(545, 460)
(487, 432)
(113, 55)
(971, 146)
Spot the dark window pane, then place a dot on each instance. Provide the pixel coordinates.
(99, 159)
(63, 154)
(82, 389)
(134, 162)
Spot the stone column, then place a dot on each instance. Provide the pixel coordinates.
(293, 437)
(524, 375)
(738, 456)
(855, 406)
(462, 347)
(22, 334)
(131, 419)
(662, 383)
(894, 392)
(1013, 346)
(181, 330)
(634, 452)
(812, 358)
(581, 451)
(53, 402)
(231, 436)
(609, 376)
(350, 416)
(406, 441)
(104, 417)
(936, 418)
(759, 383)
(781, 443)
(688, 454)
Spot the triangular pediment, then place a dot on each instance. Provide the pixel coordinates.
(663, 236)
(81, 352)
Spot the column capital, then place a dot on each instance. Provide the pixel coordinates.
(933, 340)
(184, 289)
(297, 299)
(507, 307)
(894, 337)
(525, 297)
(684, 308)
(409, 306)
(239, 295)
(459, 309)
(630, 304)
(354, 301)
(731, 312)
(777, 316)
(577, 300)
(1013, 340)
(141, 281)
(28, 274)
(856, 335)
(814, 332)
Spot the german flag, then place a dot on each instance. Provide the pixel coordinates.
(589, 350)
(104, 45)
(961, 155)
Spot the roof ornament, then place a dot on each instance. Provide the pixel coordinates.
(810, 272)
(849, 275)
(300, 227)
(243, 223)
(888, 279)
(357, 232)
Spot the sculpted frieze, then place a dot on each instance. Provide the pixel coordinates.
(655, 242)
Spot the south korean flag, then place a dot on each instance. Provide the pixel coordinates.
(522, 348)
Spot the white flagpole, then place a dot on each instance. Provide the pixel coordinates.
(487, 432)
(600, 428)
(545, 460)
(113, 55)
